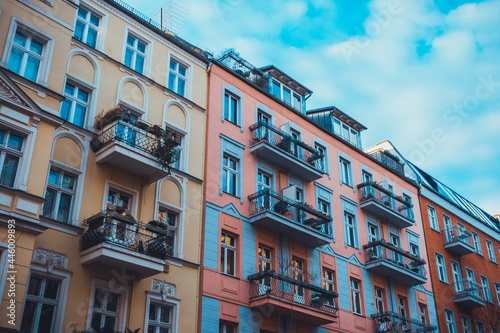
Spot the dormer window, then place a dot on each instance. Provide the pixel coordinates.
(346, 132)
(285, 94)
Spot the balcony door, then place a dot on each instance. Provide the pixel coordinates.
(127, 130)
(296, 149)
(121, 203)
(298, 274)
(265, 264)
(471, 281)
(395, 241)
(264, 132)
(263, 183)
(457, 276)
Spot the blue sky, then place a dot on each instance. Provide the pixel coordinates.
(423, 74)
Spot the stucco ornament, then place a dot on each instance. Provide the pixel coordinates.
(164, 288)
(51, 259)
(8, 94)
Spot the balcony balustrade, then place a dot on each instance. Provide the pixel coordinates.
(381, 202)
(468, 294)
(389, 260)
(458, 240)
(282, 149)
(270, 291)
(280, 214)
(394, 322)
(119, 241)
(135, 146)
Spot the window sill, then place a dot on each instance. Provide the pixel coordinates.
(231, 276)
(358, 315)
(445, 282)
(435, 230)
(233, 195)
(229, 121)
(60, 226)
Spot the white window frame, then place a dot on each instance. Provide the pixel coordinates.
(48, 48)
(319, 145)
(183, 147)
(433, 220)
(379, 299)
(101, 29)
(64, 277)
(491, 250)
(226, 247)
(486, 288)
(353, 227)
(478, 325)
(228, 172)
(337, 123)
(440, 263)
(232, 91)
(345, 170)
(5, 150)
(356, 293)
(330, 282)
(147, 53)
(171, 302)
(178, 230)
(457, 275)
(80, 85)
(477, 243)
(188, 77)
(74, 193)
(292, 92)
(450, 322)
(114, 287)
(422, 313)
(497, 289)
(466, 324)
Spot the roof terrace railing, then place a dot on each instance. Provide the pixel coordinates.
(374, 191)
(455, 233)
(394, 322)
(267, 200)
(263, 131)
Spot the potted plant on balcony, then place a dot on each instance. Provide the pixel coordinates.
(122, 216)
(157, 227)
(143, 125)
(156, 130)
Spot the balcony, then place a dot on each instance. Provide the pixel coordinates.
(458, 240)
(391, 261)
(468, 294)
(119, 241)
(390, 160)
(279, 148)
(394, 322)
(381, 202)
(135, 146)
(280, 214)
(270, 291)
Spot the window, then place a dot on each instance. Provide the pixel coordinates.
(470, 277)
(497, 288)
(76, 104)
(231, 108)
(422, 313)
(491, 251)
(298, 274)
(441, 268)
(494, 329)
(346, 132)
(40, 306)
(227, 254)
(350, 228)
(372, 232)
(180, 148)
(135, 53)
(486, 288)
(356, 296)
(284, 93)
(171, 219)
(322, 163)
(265, 264)
(160, 318)
(225, 327)
(402, 310)
(230, 175)
(264, 132)
(477, 242)
(450, 321)
(466, 324)
(379, 300)
(480, 327)
(87, 27)
(345, 172)
(447, 226)
(177, 77)
(105, 312)
(433, 218)
(329, 284)
(120, 201)
(11, 151)
(59, 195)
(457, 276)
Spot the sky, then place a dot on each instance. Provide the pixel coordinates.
(423, 74)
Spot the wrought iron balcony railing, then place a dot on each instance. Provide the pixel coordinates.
(263, 131)
(267, 200)
(374, 191)
(394, 322)
(383, 250)
(456, 234)
(467, 288)
(124, 231)
(270, 283)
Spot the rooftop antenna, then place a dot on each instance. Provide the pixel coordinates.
(171, 16)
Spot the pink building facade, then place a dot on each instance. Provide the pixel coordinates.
(303, 231)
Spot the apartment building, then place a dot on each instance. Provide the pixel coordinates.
(463, 245)
(102, 138)
(303, 231)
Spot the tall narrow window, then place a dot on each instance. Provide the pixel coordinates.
(40, 305)
(265, 264)
(105, 311)
(447, 226)
(402, 306)
(450, 321)
(329, 284)
(263, 183)
(160, 318)
(321, 162)
(422, 313)
(11, 151)
(480, 327)
(230, 175)
(441, 268)
(491, 251)
(477, 242)
(135, 53)
(298, 274)
(486, 288)
(231, 108)
(87, 27)
(432, 218)
(59, 195)
(497, 288)
(350, 227)
(379, 300)
(226, 327)
(171, 220)
(120, 202)
(457, 276)
(466, 324)
(177, 77)
(345, 172)
(75, 106)
(356, 296)
(228, 254)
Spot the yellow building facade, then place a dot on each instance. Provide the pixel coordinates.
(102, 152)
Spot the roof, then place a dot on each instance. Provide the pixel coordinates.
(286, 79)
(322, 114)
